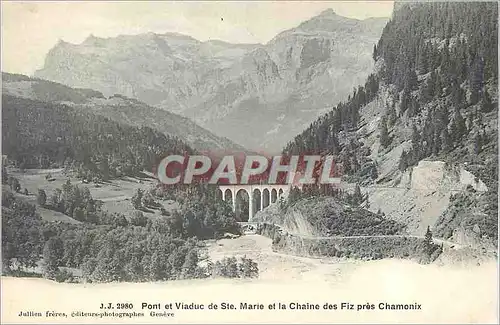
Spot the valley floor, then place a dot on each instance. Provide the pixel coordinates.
(447, 294)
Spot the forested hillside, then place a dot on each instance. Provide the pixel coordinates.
(92, 243)
(456, 61)
(443, 66)
(433, 96)
(44, 135)
(111, 248)
(117, 108)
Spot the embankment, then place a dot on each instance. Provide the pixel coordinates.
(363, 247)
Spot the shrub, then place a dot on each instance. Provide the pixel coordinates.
(64, 276)
(230, 267)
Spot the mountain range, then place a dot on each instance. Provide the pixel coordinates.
(257, 95)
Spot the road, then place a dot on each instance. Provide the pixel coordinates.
(435, 240)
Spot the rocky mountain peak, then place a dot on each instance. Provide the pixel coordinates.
(266, 90)
(328, 13)
(90, 38)
(330, 22)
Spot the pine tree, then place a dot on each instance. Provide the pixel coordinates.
(476, 80)
(414, 107)
(42, 197)
(79, 214)
(437, 143)
(416, 150)
(120, 220)
(415, 136)
(403, 161)
(133, 270)
(5, 176)
(486, 104)
(357, 197)
(442, 116)
(384, 134)
(137, 199)
(430, 87)
(227, 267)
(391, 115)
(458, 95)
(51, 257)
(138, 219)
(405, 101)
(374, 172)
(446, 140)
(249, 268)
(190, 267)
(423, 63)
(294, 195)
(55, 199)
(104, 168)
(428, 243)
(412, 80)
(459, 127)
(14, 184)
(88, 267)
(438, 88)
(108, 267)
(478, 143)
(445, 56)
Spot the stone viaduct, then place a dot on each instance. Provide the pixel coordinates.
(259, 196)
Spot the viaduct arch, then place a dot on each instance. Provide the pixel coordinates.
(259, 196)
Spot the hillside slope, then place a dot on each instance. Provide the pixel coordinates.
(38, 134)
(118, 108)
(326, 216)
(424, 125)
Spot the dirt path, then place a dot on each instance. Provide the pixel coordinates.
(436, 240)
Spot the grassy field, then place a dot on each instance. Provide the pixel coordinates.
(115, 194)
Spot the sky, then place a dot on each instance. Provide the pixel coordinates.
(31, 29)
